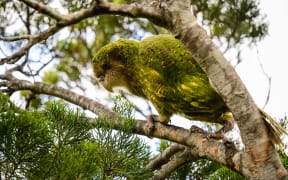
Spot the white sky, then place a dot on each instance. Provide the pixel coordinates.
(272, 54)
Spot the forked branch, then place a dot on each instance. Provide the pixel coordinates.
(204, 147)
(99, 8)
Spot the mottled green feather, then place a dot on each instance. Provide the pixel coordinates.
(184, 88)
(160, 69)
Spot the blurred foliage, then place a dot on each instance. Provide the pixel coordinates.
(123, 107)
(33, 101)
(50, 77)
(284, 159)
(233, 20)
(57, 143)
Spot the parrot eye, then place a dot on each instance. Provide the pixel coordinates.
(106, 66)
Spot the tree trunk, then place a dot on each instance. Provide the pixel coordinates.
(259, 159)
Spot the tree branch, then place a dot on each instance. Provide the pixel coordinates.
(268, 78)
(33, 39)
(16, 38)
(42, 8)
(165, 156)
(174, 164)
(229, 86)
(208, 148)
(99, 8)
(86, 103)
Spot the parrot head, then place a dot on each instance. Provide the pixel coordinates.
(111, 62)
(110, 74)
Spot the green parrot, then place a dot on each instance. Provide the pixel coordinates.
(160, 69)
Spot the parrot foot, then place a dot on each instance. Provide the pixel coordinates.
(218, 135)
(150, 126)
(196, 129)
(228, 126)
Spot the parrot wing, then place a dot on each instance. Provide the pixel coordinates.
(179, 82)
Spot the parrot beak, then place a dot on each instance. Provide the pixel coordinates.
(101, 78)
(107, 87)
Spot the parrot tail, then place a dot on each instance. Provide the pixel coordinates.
(275, 130)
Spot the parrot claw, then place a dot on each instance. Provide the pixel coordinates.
(196, 129)
(218, 135)
(228, 126)
(150, 126)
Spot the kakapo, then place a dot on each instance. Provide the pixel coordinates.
(160, 69)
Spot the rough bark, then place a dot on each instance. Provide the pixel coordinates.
(173, 164)
(259, 160)
(165, 156)
(200, 146)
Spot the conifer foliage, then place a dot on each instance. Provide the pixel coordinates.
(57, 143)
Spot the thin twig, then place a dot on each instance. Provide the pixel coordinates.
(174, 164)
(44, 9)
(165, 156)
(19, 13)
(268, 77)
(16, 38)
(99, 8)
(32, 41)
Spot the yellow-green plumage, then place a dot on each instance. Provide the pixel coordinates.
(162, 70)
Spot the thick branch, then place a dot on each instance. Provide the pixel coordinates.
(86, 103)
(208, 148)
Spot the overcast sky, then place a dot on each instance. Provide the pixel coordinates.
(273, 55)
